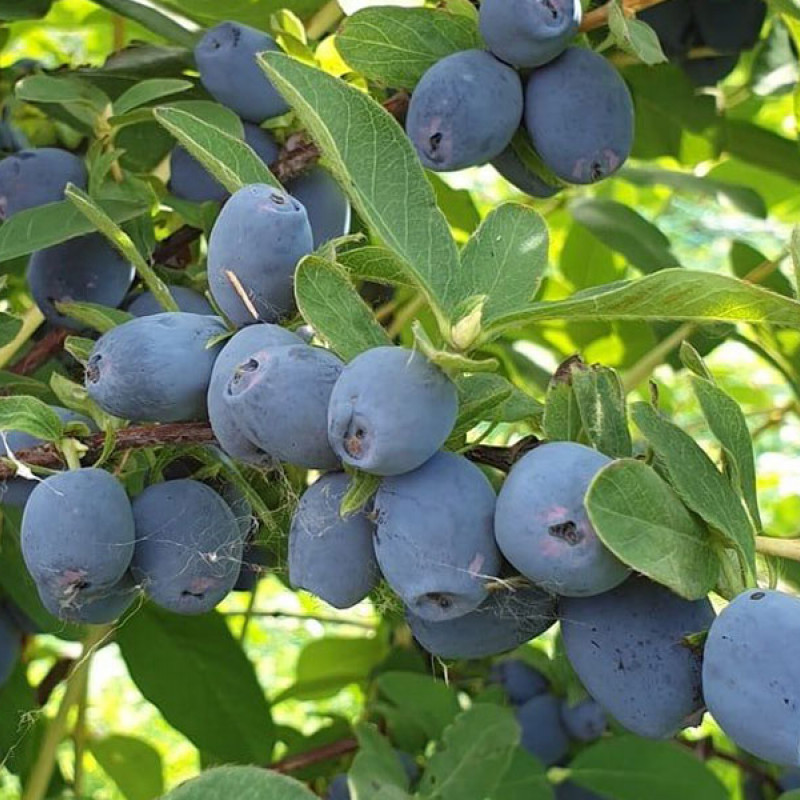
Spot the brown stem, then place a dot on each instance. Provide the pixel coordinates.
(598, 17)
(174, 249)
(502, 458)
(324, 753)
(58, 673)
(50, 344)
(46, 455)
(704, 748)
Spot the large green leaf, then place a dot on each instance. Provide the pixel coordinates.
(504, 260)
(475, 753)
(133, 764)
(148, 91)
(700, 484)
(622, 229)
(631, 768)
(375, 163)
(430, 704)
(375, 264)
(675, 294)
(644, 523)
(29, 9)
(395, 46)
(10, 326)
(154, 17)
(241, 783)
(48, 225)
(195, 673)
(525, 778)
(376, 773)
(29, 415)
(331, 305)
(229, 159)
(601, 402)
(248, 12)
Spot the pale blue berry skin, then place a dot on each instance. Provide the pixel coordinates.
(279, 399)
(10, 646)
(237, 350)
(260, 236)
(543, 732)
(77, 535)
(504, 621)
(188, 546)
(34, 178)
(529, 33)
(510, 166)
(326, 204)
(190, 180)
(629, 648)
(750, 678)
(464, 111)
(16, 491)
(520, 681)
(434, 541)
(390, 411)
(82, 270)
(542, 526)
(331, 557)
(226, 60)
(338, 788)
(155, 368)
(579, 85)
(102, 608)
(188, 300)
(584, 721)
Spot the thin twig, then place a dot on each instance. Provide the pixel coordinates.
(598, 17)
(324, 753)
(300, 617)
(57, 674)
(502, 458)
(49, 345)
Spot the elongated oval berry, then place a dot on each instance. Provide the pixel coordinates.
(77, 535)
(434, 541)
(729, 25)
(331, 557)
(102, 608)
(585, 721)
(504, 621)
(259, 236)
(237, 350)
(390, 411)
(629, 647)
(83, 270)
(511, 167)
(189, 179)
(155, 368)
(542, 526)
(145, 304)
(464, 110)
(750, 677)
(226, 60)
(33, 178)
(529, 33)
(543, 732)
(520, 681)
(188, 546)
(579, 115)
(325, 203)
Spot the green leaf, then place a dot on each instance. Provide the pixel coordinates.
(631, 768)
(703, 488)
(601, 402)
(396, 46)
(634, 36)
(20, 723)
(504, 260)
(229, 159)
(430, 704)
(794, 247)
(99, 318)
(742, 197)
(562, 416)
(10, 326)
(201, 682)
(331, 305)
(373, 160)
(154, 17)
(148, 91)
(29, 415)
(644, 523)
(30, 9)
(48, 225)
(242, 783)
(80, 98)
(361, 489)
(326, 666)
(525, 777)
(376, 770)
(693, 361)
(622, 229)
(675, 294)
(133, 765)
(376, 264)
(79, 348)
(98, 217)
(727, 423)
(456, 204)
(475, 752)
(11, 383)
